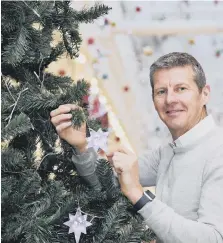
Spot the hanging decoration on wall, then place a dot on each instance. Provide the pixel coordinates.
(218, 53)
(126, 88)
(106, 21)
(90, 41)
(61, 72)
(147, 50)
(191, 41)
(138, 9)
(105, 76)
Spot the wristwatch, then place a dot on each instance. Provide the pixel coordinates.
(147, 196)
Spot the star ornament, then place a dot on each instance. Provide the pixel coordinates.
(98, 140)
(78, 224)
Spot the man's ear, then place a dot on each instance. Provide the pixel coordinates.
(206, 93)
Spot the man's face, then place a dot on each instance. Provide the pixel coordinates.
(177, 98)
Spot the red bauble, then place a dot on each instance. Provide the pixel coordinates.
(85, 100)
(218, 53)
(126, 88)
(117, 139)
(62, 72)
(90, 41)
(138, 9)
(104, 120)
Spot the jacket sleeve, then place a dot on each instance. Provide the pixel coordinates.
(85, 164)
(171, 227)
(148, 167)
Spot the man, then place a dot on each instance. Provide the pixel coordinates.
(187, 173)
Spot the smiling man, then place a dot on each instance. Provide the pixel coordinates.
(187, 173)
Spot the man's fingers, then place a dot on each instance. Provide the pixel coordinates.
(118, 167)
(124, 150)
(109, 154)
(56, 120)
(63, 126)
(63, 109)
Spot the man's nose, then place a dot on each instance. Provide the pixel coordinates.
(171, 97)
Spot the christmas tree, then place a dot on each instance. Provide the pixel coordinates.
(41, 190)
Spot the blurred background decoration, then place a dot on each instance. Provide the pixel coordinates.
(117, 52)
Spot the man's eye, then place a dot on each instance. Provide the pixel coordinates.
(181, 88)
(160, 92)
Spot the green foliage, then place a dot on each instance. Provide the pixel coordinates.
(18, 125)
(35, 206)
(78, 118)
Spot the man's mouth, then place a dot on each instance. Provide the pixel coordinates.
(169, 112)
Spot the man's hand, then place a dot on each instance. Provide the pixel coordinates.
(61, 119)
(126, 166)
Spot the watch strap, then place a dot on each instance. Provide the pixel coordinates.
(147, 196)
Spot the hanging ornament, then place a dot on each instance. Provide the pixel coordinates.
(85, 100)
(95, 60)
(98, 140)
(61, 72)
(113, 24)
(117, 139)
(104, 120)
(191, 41)
(218, 53)
(51, 176)
(216, 2)
(90, 41)
(78, 224)
(138, 9)
(106, 21)
(104, 76)
(147, 50)
(126, 88)
(96, 109)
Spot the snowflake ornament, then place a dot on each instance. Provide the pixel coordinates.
(98, 140)
(78, 224)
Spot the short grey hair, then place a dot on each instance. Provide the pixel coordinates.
(179, 59)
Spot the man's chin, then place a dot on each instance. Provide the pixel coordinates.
(174, 124)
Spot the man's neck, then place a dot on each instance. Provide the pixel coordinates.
(176, 134)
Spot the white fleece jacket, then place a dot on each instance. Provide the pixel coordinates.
(188, 175)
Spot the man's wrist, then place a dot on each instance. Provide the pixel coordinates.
(135, 194)
(147, 197)
(82, 149)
